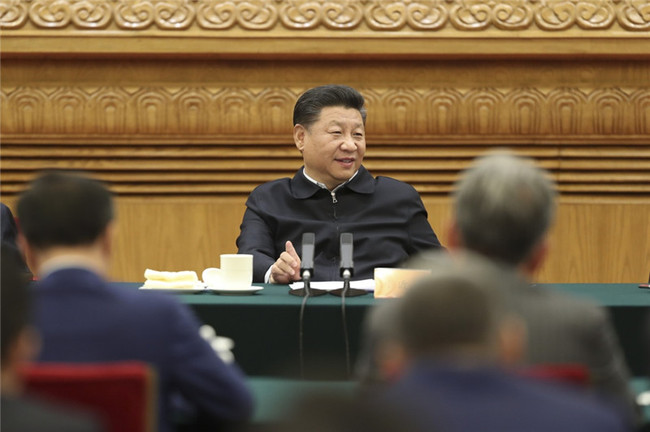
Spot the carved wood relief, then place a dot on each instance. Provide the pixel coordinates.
(432, 114)
(339, 15)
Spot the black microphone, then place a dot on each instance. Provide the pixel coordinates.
(347, 263)
(347, 268)
(307, 260)
(307, 267)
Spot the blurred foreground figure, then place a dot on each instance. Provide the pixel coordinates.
(456, 337)
(19, 345)
(504, 206)
(67, 222)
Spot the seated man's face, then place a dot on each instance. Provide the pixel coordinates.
(334, 146)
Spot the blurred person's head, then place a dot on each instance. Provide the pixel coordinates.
(461, 312)
(504, 206)
(66, 214)
(329, 131)
(19, 341)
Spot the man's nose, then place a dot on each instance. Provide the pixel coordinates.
(348, 143)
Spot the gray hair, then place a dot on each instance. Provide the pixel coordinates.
(504, 205)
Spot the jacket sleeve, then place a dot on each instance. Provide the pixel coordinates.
(608, 370)
(256, 238)
(421, 235)
(217, 390)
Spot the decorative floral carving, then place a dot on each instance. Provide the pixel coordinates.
(386, 15)
(51, 14)
(13, 14)
(379, 15)
(173, 14)
(516, 15)
(134, 14)
(640, 101)
(595, 14)
(426, 15)
(91, 14)
(525, 111)
(342, 14)
(566, 110)
(300, 15)
(555, 15)
(483, 106)
(227, 111)
(634, 15)
(608, 108)
(256, 14)
(471, 15)
(216, 14)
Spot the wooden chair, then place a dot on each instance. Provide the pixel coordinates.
(123, 395)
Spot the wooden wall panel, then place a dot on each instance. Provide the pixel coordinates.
(596, 242)
(183, 107)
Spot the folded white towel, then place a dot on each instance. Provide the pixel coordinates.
(167, 276)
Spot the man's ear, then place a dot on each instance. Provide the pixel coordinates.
(299, 132)
(107, 238)
(454, 240)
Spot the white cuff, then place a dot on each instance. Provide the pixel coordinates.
(267, 276)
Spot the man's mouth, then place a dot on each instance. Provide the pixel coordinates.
(345, 160)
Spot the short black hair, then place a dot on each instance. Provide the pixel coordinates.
(64, 209)
(15, 300)
(310, 104)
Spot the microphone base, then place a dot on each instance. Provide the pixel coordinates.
(301, 292)
(350, 292)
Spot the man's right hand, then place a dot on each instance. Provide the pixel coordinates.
(287, 268)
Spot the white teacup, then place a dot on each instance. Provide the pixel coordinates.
(236, 272)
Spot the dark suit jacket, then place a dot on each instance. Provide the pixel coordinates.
(560, 330)
(469, 399)
(21, 414)
(563, 329)
(8, 235)
(386, 217)
(83, 319)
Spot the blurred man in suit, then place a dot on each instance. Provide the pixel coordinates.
(67, 223)
(19, 345)
(457, 338)
(504, 206)
(331, 194)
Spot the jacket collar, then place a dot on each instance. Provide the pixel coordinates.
(302, 188)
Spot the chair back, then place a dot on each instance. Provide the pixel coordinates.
(571, 373)
(123, 395)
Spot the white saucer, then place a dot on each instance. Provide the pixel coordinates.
(175, 290)
(235, 291)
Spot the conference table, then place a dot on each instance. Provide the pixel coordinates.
(265, 327)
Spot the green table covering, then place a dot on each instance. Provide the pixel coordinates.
(274, 397)
(265, 327)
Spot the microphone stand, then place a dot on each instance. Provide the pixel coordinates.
(346, 291)
(307, 290)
